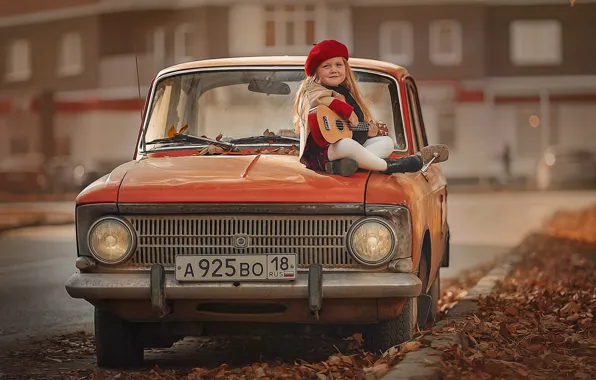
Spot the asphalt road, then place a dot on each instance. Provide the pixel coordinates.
(34, 265)
(35, 262)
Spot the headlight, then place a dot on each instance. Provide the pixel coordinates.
(111, 240)
(372, 241)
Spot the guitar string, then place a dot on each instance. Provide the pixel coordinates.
(362, 126)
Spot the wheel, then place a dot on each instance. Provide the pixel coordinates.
(432, 310)
(385, 334)
(116, 345)
(435, 294)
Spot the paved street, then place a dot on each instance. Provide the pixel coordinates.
(35, 262)
(484, 225)
(34, 265)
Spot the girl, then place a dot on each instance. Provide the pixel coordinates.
(331, 82)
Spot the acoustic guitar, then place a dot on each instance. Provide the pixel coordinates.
(327, 127)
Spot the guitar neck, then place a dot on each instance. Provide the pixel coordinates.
(362, 126)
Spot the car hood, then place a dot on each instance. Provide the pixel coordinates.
(236, 179)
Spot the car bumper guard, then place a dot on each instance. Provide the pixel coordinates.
(159, 286)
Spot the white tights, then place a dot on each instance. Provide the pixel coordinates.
(369, 156)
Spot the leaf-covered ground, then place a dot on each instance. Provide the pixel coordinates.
(539, 323)
(72, 356)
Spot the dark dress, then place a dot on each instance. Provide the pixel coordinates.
(315, 157)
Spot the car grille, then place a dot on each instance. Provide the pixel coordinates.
(315, 239)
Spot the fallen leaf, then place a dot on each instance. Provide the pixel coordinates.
(536, 347)
(171, 132)
(511, 310)
(570, 308)
(381, 370)
(260, 372)
(335, 360)
(410, 346)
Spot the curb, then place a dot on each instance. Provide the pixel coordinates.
(426, 363)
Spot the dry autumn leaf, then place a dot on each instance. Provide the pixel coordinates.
(535, 325)
(171, 132)
(380, 370)
(410, 346)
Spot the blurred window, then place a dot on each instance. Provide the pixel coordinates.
(183, 43)
(19, 145)
(63, 146)
(70, 58)
(157, 47)
(528, 131)
(289, 29)
(447, 128)
(529, 128)
(446, 42)
(396, 40)
(536, 42)
(18, 63)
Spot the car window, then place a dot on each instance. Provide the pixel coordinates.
(419, 133)
(383, 99)
(219, 103)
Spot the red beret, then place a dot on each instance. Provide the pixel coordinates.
(322, 52)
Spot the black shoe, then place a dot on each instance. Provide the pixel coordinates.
(409, 164)
(344, 167)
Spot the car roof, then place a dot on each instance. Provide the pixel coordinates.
(360, 63)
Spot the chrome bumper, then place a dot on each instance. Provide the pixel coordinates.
(334, 285)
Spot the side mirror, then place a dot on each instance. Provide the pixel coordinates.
(434, 153)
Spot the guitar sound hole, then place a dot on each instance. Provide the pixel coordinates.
(339, 124)
(326, 123)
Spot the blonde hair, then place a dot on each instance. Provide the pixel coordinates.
(350, 83)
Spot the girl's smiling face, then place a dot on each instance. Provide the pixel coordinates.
(332, 72)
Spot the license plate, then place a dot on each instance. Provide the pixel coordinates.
(278, 267)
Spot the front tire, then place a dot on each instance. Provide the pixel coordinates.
(116, 344)
(385, 334)
(435, 294)
(432, 310)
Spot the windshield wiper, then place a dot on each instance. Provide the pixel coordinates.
(189, 138)
(265, 139)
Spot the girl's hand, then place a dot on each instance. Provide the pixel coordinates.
(373, 130)
(353, 119)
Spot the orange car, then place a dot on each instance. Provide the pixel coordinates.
(215, 225)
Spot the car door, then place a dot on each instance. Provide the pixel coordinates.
(431, 180)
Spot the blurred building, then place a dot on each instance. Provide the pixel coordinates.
(491, 73)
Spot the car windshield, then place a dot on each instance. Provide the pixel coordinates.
(247, 107)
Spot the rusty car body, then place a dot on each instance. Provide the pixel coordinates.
(163, 240)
